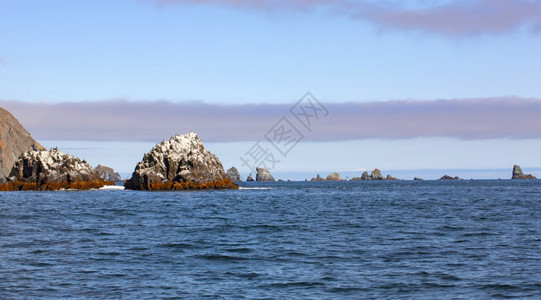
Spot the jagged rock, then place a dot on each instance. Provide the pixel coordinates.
(14, 140)
(365, 176)
(177, 164)
(334, 177)
(356, 179)
(263, 175)
(108, 174)
(318, 178)
(250, 178)
(447, 177)
(517, 174)
(390, 177)
(51, 170)
(281, 180)
(417, 178)
(233, 174)
(376, 175)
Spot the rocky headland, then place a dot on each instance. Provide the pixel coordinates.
(179, 164)
(517, 174)
(51, 170)
(14, 140)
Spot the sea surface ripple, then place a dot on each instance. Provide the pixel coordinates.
(307, 240)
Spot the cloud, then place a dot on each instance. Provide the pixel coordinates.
(453, 18)
(124, 120)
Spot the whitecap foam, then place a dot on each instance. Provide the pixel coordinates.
(113, 188)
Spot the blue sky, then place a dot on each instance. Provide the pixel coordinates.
(71, 54)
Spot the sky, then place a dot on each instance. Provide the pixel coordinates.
(413, 87)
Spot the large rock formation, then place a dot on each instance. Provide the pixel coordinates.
(108, 174)
(177, 164)
(14, 140)
(233, 174)
(517, 174)
(334, 177)
(263, 175)
(51, 170)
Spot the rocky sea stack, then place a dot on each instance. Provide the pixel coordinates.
(334, 177)
(233, 174)
(51, 170)
(263, 175)
(179, 164)
(108, 174)
(14, 140)
(318, 178)
(517, 174)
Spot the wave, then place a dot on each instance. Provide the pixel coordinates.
(112, 188)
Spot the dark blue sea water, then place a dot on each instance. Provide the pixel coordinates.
(411, 240)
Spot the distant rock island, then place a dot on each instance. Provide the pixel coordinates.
(334, 177)
(517, 174)
(263, 175)
(108, 174)
(233, 174)
(179, 164)
(14, 140)
(51, 170)
(318, 178)
(250, 178)
(447, 177)
(375, 175)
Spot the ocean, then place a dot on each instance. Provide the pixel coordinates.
(307, 240)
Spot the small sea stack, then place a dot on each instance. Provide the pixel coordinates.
(233, 174)
(264, 175)
(108, 174)
(334, 177)
(318, 178)
(517, 174)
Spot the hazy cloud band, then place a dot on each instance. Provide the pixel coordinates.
(124, 120)
(454, 18)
